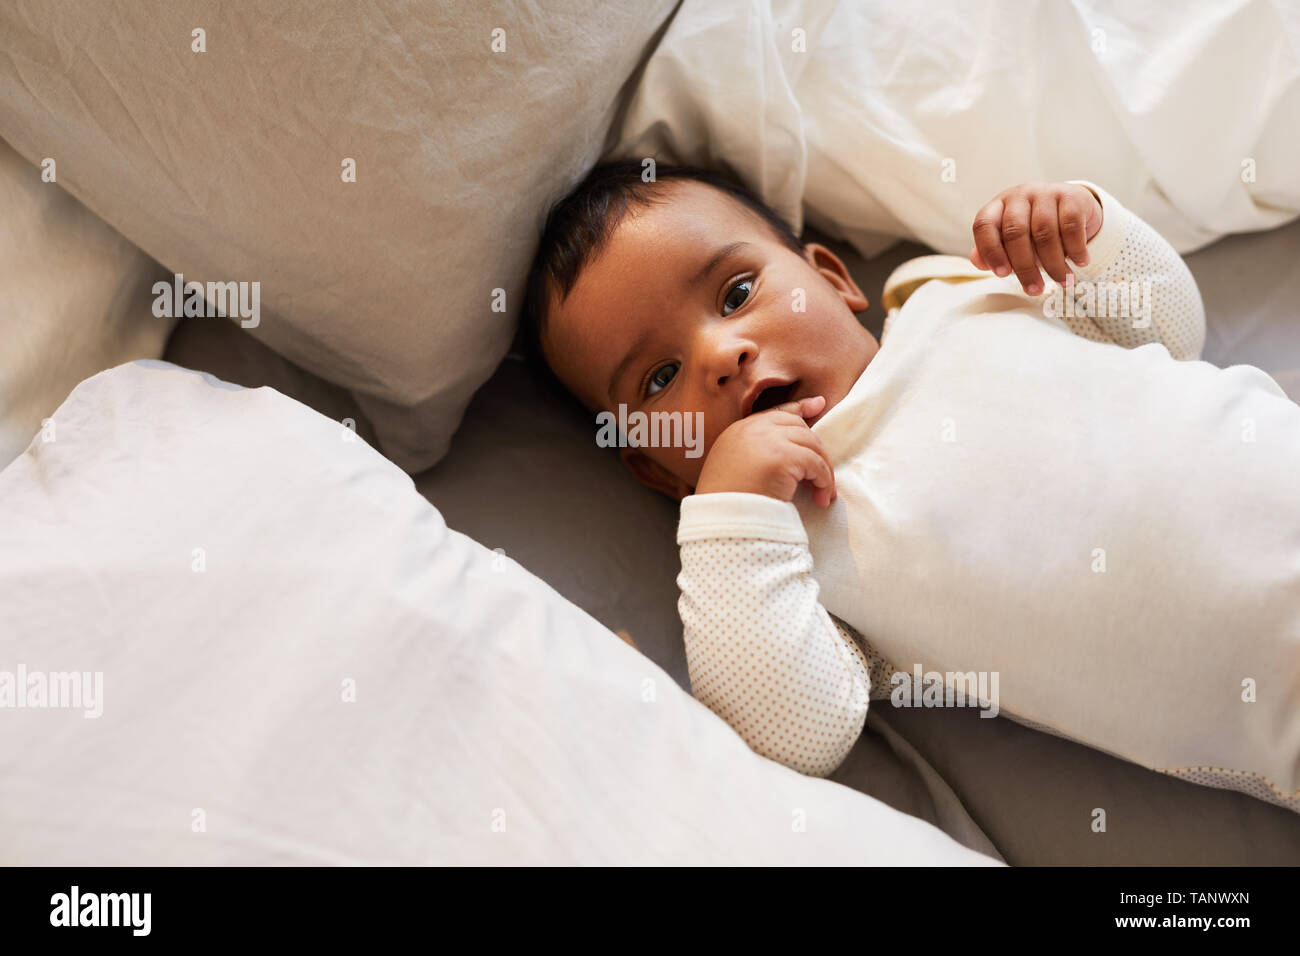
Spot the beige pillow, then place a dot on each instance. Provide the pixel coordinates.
(74, 300)
(228, 165)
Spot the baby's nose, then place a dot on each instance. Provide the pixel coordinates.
(731, 365)
(725, 353)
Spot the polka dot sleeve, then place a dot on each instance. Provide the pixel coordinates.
(1136, 289)
(762, 652)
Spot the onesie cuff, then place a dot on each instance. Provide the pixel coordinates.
(1105, 245)
(739, 514)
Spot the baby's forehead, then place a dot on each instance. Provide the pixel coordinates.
(659, 250)
(696, 210)
(666, 238)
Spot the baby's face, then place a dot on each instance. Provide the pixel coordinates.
(693, 306)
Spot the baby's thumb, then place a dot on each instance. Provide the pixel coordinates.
(804, 407)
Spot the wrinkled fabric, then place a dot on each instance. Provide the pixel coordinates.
(879, 120)
(298, 655)
(227, 165)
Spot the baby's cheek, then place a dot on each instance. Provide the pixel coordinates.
(690, 458)
(711, 433)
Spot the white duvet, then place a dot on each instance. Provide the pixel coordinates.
(883, 119)
(291, 659)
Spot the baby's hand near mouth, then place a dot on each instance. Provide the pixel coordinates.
(771, 453)
(1036, 224)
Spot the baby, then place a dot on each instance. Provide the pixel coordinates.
(1000, 483)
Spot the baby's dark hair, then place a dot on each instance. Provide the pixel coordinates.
(578, 226)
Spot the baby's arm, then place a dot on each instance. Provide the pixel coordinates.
(762, 652)
(1134, 288)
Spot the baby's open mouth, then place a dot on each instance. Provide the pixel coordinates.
(772, 396)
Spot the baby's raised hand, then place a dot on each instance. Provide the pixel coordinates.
(1036, 224)
(771, 453)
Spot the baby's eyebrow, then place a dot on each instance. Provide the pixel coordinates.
(624, 362)
(718, 256)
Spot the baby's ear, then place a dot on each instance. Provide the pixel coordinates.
(654, 475)
(837, 274)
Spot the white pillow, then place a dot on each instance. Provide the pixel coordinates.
(228, 164)
(74, 300)
(878, 120)
(336, 677)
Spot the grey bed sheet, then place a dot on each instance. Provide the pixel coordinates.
(525, 475)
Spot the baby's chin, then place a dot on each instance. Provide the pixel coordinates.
(833, 394)
(836, 392)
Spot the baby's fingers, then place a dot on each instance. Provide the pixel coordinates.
(1074, 228)
(803, 407)
(1046, 230)
(1018, 242)
(987, 230)
(808, 440)
(818, 473)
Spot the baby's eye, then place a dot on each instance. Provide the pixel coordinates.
(732, 301)
(661, 377)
